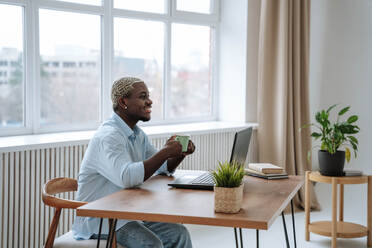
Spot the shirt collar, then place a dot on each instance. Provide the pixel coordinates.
(125, 128)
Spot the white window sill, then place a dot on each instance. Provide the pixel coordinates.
(39, 141)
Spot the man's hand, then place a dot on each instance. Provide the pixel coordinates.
(172, 151)
(173, 147)
(190, 148)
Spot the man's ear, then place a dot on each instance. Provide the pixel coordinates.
(123, 103)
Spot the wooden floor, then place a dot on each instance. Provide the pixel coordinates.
(355, 211)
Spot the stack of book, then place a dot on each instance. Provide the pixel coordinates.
(265, 170)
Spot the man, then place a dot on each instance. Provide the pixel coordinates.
(121, 156)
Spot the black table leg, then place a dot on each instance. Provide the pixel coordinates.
(293, 225)
(241, 238)
(285, 231)
(109, 233)
(257, 238)
(236, 238)
(99, 232)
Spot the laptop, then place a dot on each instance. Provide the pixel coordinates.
(239, 153)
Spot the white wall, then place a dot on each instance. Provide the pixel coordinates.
(341, 66)
(340, 63)
(252, 59)
(233, 61)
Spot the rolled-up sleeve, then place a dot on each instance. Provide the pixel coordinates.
(117, 165)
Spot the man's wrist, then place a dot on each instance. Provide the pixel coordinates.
(164, 154)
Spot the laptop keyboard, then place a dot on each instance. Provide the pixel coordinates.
(205, 178)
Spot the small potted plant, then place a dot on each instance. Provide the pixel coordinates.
(334, 136)
(228, 189)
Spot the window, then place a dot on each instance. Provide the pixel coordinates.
(11, 60)
(93, 2)
(200, 6)
(71, 97)
(191, 71)
(82, 46)
(140, 56)
(155, 6)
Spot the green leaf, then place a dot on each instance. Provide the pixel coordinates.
(330, 108)
(353, 139)
(323, 146)
(352, 119)
(306, 126)
(354, 129)
(349, 129)
(318, 117)
(316, 135)
(334, 135)
(344, 110)
(228, 174)
(324, 115)
(355, 146)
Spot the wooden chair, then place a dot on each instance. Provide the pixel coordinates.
(56, 186)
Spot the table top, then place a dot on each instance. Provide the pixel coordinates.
(154, 200)
(317, 177)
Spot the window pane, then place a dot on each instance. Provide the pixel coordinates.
(11, 66)
(191, 71)
(91, 2)
(155, 6)
(139, 51)
(199, 6)
(70, 67)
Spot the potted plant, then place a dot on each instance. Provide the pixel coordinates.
(228, 189)
(334, 136)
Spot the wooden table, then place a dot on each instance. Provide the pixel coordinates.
(263, 201)
(340, 228)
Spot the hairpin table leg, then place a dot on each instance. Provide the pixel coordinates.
(294, 226)
(99, 231)
(285, 231)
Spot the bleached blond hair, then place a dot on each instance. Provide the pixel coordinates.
(122, 88)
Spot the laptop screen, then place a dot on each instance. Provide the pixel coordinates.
(241, 145)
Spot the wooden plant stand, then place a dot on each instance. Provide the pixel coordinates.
(340, 228)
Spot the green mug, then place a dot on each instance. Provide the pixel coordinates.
(184, 140)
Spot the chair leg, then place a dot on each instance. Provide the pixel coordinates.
(53, 229)
(113, 224)
(114, 243)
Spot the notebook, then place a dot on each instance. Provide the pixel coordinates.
(265, 168)
(254, 173)
(239, 153)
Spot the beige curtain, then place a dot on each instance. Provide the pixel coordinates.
(283, 87)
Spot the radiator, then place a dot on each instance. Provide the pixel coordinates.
(25, 220)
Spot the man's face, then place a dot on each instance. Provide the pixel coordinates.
(139, 103)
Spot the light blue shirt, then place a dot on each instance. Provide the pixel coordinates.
(113, 161)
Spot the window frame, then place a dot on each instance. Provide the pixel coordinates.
(107, 13)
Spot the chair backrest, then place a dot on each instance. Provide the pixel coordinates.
(56, 186)
(60, 185)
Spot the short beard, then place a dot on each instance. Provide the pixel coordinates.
(145, 119)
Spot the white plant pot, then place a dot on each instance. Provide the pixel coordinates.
(228, 200)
